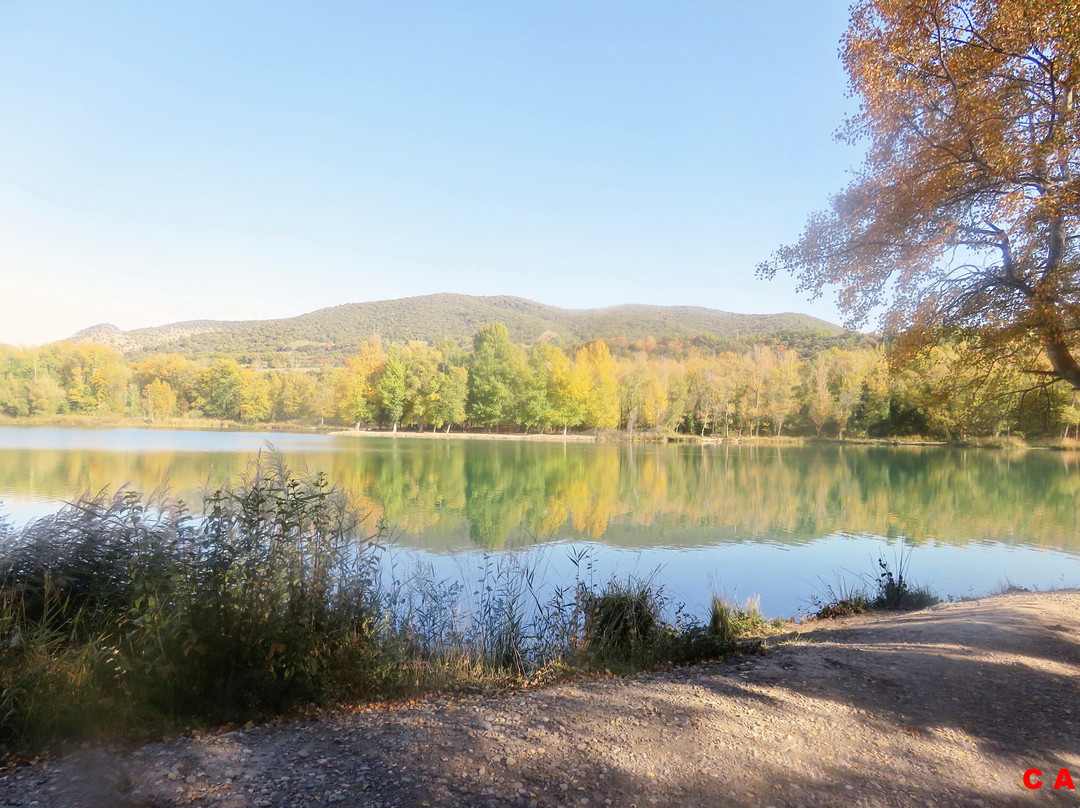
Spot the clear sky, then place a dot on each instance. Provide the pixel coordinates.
(171, 161)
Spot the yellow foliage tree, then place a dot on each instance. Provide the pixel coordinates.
(158, 399)
(355, 397)
(602, 407)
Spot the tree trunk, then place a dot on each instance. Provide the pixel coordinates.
(1062, 360)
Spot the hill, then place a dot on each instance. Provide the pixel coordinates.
(431, 318)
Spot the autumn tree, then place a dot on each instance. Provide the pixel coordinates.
(158, 399)
(295, 396)
(602, 408)
(95, 378)
(820, 406)
(254, 403)
(570, 387)
(355, 398)
(964, 217)
(726, 386)
(780, 398)
(759, 367)
(633, 382)
(181, 374)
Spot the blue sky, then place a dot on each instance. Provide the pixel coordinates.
(170, 161)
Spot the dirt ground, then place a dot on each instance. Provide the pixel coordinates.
(945, 707)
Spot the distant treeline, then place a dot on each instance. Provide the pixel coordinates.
(798, 383)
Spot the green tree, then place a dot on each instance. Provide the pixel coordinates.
(421, 383)
(220, 390)
(14, 396)
(448, 405)
(956, 395)
(391, 387)
(496, 370)
(539, 386)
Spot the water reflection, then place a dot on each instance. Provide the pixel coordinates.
(448, 495)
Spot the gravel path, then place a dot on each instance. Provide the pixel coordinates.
(946, 707)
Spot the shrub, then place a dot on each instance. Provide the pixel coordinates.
(895, 590)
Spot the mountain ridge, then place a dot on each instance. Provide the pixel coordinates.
(435, 317)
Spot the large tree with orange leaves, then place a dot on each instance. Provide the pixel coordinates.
(964, 217)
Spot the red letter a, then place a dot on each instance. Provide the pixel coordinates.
(1064, 780)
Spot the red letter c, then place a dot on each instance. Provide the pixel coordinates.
(1031, 778)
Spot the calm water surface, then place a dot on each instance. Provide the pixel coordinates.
(779, 522)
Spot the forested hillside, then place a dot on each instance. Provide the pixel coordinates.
(789, 383)
(328, 335)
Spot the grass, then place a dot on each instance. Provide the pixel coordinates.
(730, 622)
(840, 599)
(126, 616)
(890, 588)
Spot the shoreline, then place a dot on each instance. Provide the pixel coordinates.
(573, 437)
(595, 436)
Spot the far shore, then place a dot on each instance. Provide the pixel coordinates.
(620, 436)
(572, 437)
(592, 436)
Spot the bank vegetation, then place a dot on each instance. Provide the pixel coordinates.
(790, 384)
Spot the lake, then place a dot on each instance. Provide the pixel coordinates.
(781, 522)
